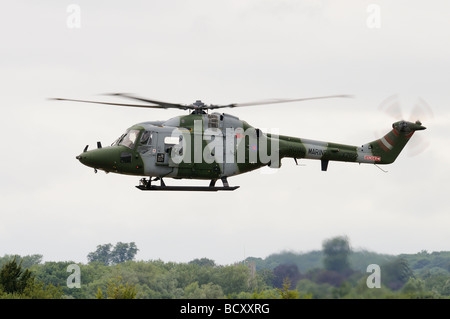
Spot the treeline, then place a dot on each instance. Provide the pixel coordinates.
(419, 263)
(334, 272)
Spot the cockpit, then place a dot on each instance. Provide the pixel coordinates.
(129, 139)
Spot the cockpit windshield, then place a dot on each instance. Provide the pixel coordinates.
(128, 139)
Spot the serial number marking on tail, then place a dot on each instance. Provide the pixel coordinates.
(316, 151)
(372, 158)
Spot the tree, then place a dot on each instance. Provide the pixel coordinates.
(285, 272)
(13, 279)
(396, 273)
(116, 289)
(207, 291)
(27, 261)
(16, 283)
(203, 262)
(123, 252)
(336, 254)
(102, 254)
(120, 253)
(285, 293)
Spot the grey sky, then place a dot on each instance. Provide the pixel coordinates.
(221, 52)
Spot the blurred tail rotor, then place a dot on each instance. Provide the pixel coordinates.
(421, 112)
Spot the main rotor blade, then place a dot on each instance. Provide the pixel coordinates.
(166, 105)
(109, 103)
(275, 101)
(162, 104)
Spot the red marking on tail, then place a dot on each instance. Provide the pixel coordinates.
(383, 146)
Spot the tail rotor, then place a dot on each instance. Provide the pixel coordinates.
(420, 112)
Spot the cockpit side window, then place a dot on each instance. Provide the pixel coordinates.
(146, 142)
(146, 138)
(129, 140)
(116, 142)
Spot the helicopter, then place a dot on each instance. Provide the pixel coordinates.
(207, 145)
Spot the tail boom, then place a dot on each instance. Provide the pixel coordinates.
(381, 151)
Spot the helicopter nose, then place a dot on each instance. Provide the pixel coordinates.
(92, 159)
(112, 159)
(104, 158)
(80, 157)
(88, 158)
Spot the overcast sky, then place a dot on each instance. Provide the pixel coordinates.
(222, 52)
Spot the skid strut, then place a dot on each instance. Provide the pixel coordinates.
(146, 185)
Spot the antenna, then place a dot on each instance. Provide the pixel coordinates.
(380, 168)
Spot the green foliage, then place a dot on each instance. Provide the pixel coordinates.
(359, 260)
(203, 262)
(263, 294)
(285, 275)
(157, 279)
(423, 262)
(123, 252)
(285, 293)
(336, 254)
(304, 261)
(120, 253)
(396, 273)
(117, 289)
(285, 272)
(101, 255)
(26, 261)
(38, 290)
(206, 291)
(13, 279)
(314, 289)
(16, 283)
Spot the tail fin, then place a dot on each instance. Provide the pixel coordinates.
(387, 148)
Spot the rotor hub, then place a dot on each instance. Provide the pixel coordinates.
(198, 104)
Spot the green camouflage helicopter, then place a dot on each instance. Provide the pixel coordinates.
(213, 146)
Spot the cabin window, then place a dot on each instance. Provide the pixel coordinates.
(116, 142)
(146, 138)
(129, 140)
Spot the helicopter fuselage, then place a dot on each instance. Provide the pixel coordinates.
(195, 146)
(218, 145)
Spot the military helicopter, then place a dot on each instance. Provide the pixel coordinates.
(212, 146)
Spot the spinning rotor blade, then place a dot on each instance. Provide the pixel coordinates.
(391, 107)
(109, 103)
(165, 105)
(274, 101)
(417, 145)
(421, 111)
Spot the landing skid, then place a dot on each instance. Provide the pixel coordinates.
(146, 185)
(187, 188)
